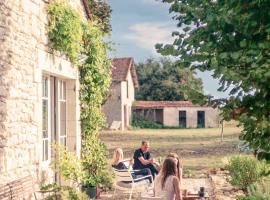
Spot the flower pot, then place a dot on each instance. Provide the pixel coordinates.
(91, 191)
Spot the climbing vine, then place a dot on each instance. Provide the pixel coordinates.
(75, 38)
(65, 30)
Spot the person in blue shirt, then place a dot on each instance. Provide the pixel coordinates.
(143, 160)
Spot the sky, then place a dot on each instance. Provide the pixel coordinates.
(137, 25)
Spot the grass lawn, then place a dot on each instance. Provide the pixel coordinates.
(199, 149)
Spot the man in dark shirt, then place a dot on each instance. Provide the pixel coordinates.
(143, 160)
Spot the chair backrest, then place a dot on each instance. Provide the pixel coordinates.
(123, 175)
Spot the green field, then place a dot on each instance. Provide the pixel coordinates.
(199, 149)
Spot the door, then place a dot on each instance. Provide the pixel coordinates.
(201, 119)
(53, 117)
(182, 119)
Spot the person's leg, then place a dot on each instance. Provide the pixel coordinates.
(153, 170)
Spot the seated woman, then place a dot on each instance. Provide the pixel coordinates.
(118, 162)
(166, 184)
(176, 159)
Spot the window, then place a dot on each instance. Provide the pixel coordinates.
(127, 90)
(45, 119)
(62, 102)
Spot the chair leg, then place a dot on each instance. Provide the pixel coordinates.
(130, 195)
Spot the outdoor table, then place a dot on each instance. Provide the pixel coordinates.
(194, 197)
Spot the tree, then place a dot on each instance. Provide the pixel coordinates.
(232, 39)
(101, 11)
(160, 80)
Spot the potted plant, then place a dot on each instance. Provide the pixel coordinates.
(95, 165)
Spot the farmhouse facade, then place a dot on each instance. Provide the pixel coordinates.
(118, 107)
(39, 93)
(183, 114)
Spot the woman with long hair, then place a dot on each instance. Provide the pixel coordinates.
(176, 159)
(166, 184)
(118, 162)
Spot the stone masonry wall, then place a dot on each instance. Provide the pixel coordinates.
(22, 36)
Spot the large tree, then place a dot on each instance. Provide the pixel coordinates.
(162, 80)
(101, 12)
(232, 39)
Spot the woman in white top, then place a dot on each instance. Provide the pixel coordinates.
(176, 159)
(167, 185)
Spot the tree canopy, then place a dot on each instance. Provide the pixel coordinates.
(232, 39)
(101, 11)
(162, 80)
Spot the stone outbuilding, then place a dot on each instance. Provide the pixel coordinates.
(183, 114)
(39, 93)
(119, 103)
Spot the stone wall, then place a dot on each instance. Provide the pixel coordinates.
(112, 107)
(24, 57)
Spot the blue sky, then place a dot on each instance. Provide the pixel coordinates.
(138, 25)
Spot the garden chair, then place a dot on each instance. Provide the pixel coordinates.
(125, 181)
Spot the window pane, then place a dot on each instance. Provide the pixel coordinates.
(45, 115)
(45, 87)
(62, 118)
(63, 141)
(64, 90)
(45, 150)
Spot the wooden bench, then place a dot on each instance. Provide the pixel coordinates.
(19, 189)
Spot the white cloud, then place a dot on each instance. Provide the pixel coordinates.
(146, 35)
(150, 2)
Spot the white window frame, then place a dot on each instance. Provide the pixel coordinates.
(61, 98)
(48, 138)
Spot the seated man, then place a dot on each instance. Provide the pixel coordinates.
(143, 161)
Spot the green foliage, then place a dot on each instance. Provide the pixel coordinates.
(246, 170)
(67, 165)
(101, 11)
(231, 39)
(94, 78)
(65, 30)
(248, 198)
(260, 189)
(71, 36)
(140, 122)
(95, 162)
(164, 80)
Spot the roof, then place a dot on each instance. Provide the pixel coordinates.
(162, 104)
(120, 68)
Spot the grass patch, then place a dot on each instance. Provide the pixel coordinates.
(199, 149)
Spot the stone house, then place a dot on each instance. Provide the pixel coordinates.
(119, 103)
(183, 114)
(39, 92)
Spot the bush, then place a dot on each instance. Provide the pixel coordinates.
(261, 189)
(248, 198)
(246, 170)
(140, 122)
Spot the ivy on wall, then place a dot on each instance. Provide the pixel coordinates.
(74, 37)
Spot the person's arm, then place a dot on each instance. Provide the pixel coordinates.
(181, 176)
(176, 186)
(145, 162)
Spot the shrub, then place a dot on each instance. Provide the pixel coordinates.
(261, 189)
(247, 198)
(140, 122)
(246, 170)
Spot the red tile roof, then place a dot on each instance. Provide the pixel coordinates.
(162, 104)
(120, 70)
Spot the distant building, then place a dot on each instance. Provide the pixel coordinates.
(124, 81)
(182, 114)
